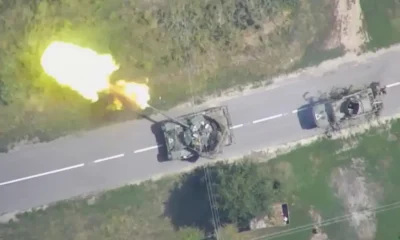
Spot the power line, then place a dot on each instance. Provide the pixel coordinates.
(212, 204)
(215, 222)
(213, 199)
(327, 222)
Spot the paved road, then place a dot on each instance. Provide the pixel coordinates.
(127, 152)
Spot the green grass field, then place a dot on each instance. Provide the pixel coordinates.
(308, 176)
(382, 22)
(310, 184)
(186, 49)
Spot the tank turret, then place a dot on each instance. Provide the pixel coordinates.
(199, 134)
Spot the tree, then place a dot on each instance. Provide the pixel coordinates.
(190, 234)
(242, 191)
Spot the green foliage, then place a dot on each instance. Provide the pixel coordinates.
(381, 21)
(179, 45)
(131, 212)
(242, 190)
(188, 203)
(190, 234)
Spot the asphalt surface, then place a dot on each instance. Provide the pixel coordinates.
(116, 155)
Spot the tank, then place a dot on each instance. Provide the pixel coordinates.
(346, 107)
(200, 134)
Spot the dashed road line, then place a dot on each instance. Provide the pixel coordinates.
(147, 149)
(109, 158)
(150, 148)
(268, 118)
(299, 110)
(42, 174)
(237, 126)
(392, 84)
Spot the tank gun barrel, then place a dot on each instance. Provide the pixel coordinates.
(170, 118)
(122, 97)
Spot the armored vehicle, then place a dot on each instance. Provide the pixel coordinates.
(346, 107)
(199, 134)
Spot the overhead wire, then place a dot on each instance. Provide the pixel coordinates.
(327, 222)
(214, 210)
(213, 197)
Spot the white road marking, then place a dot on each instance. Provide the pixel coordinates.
(387, 86)
(392, 84)
(299, 110)
(147, 149)
(237, 126)
(42, 174)
(267, 118)
(109, 158)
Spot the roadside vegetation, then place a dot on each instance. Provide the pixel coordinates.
(185, 48)
(188, 50)
(382, 22)
(321, 182)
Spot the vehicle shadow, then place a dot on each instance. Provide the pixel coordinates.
(162, 150)
(305, 116)
(188, 203)
(305, 113)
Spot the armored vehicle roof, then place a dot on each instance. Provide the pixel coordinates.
(342, 109)
(200, 134)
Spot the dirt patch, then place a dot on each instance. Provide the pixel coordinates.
(348, 28)
(348, 145)
(275, 215)
(352, 189)
(272, 219)
(318, 234)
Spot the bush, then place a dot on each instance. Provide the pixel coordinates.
(242, 191)
(179, 45)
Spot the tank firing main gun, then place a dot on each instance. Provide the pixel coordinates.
(198, 134)
(116, 91)
(169, 118)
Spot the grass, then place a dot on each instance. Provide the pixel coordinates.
(119, 214)
(185, 48)
(312, 168)
(315, 52)
(159, 209)
(381, 20)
